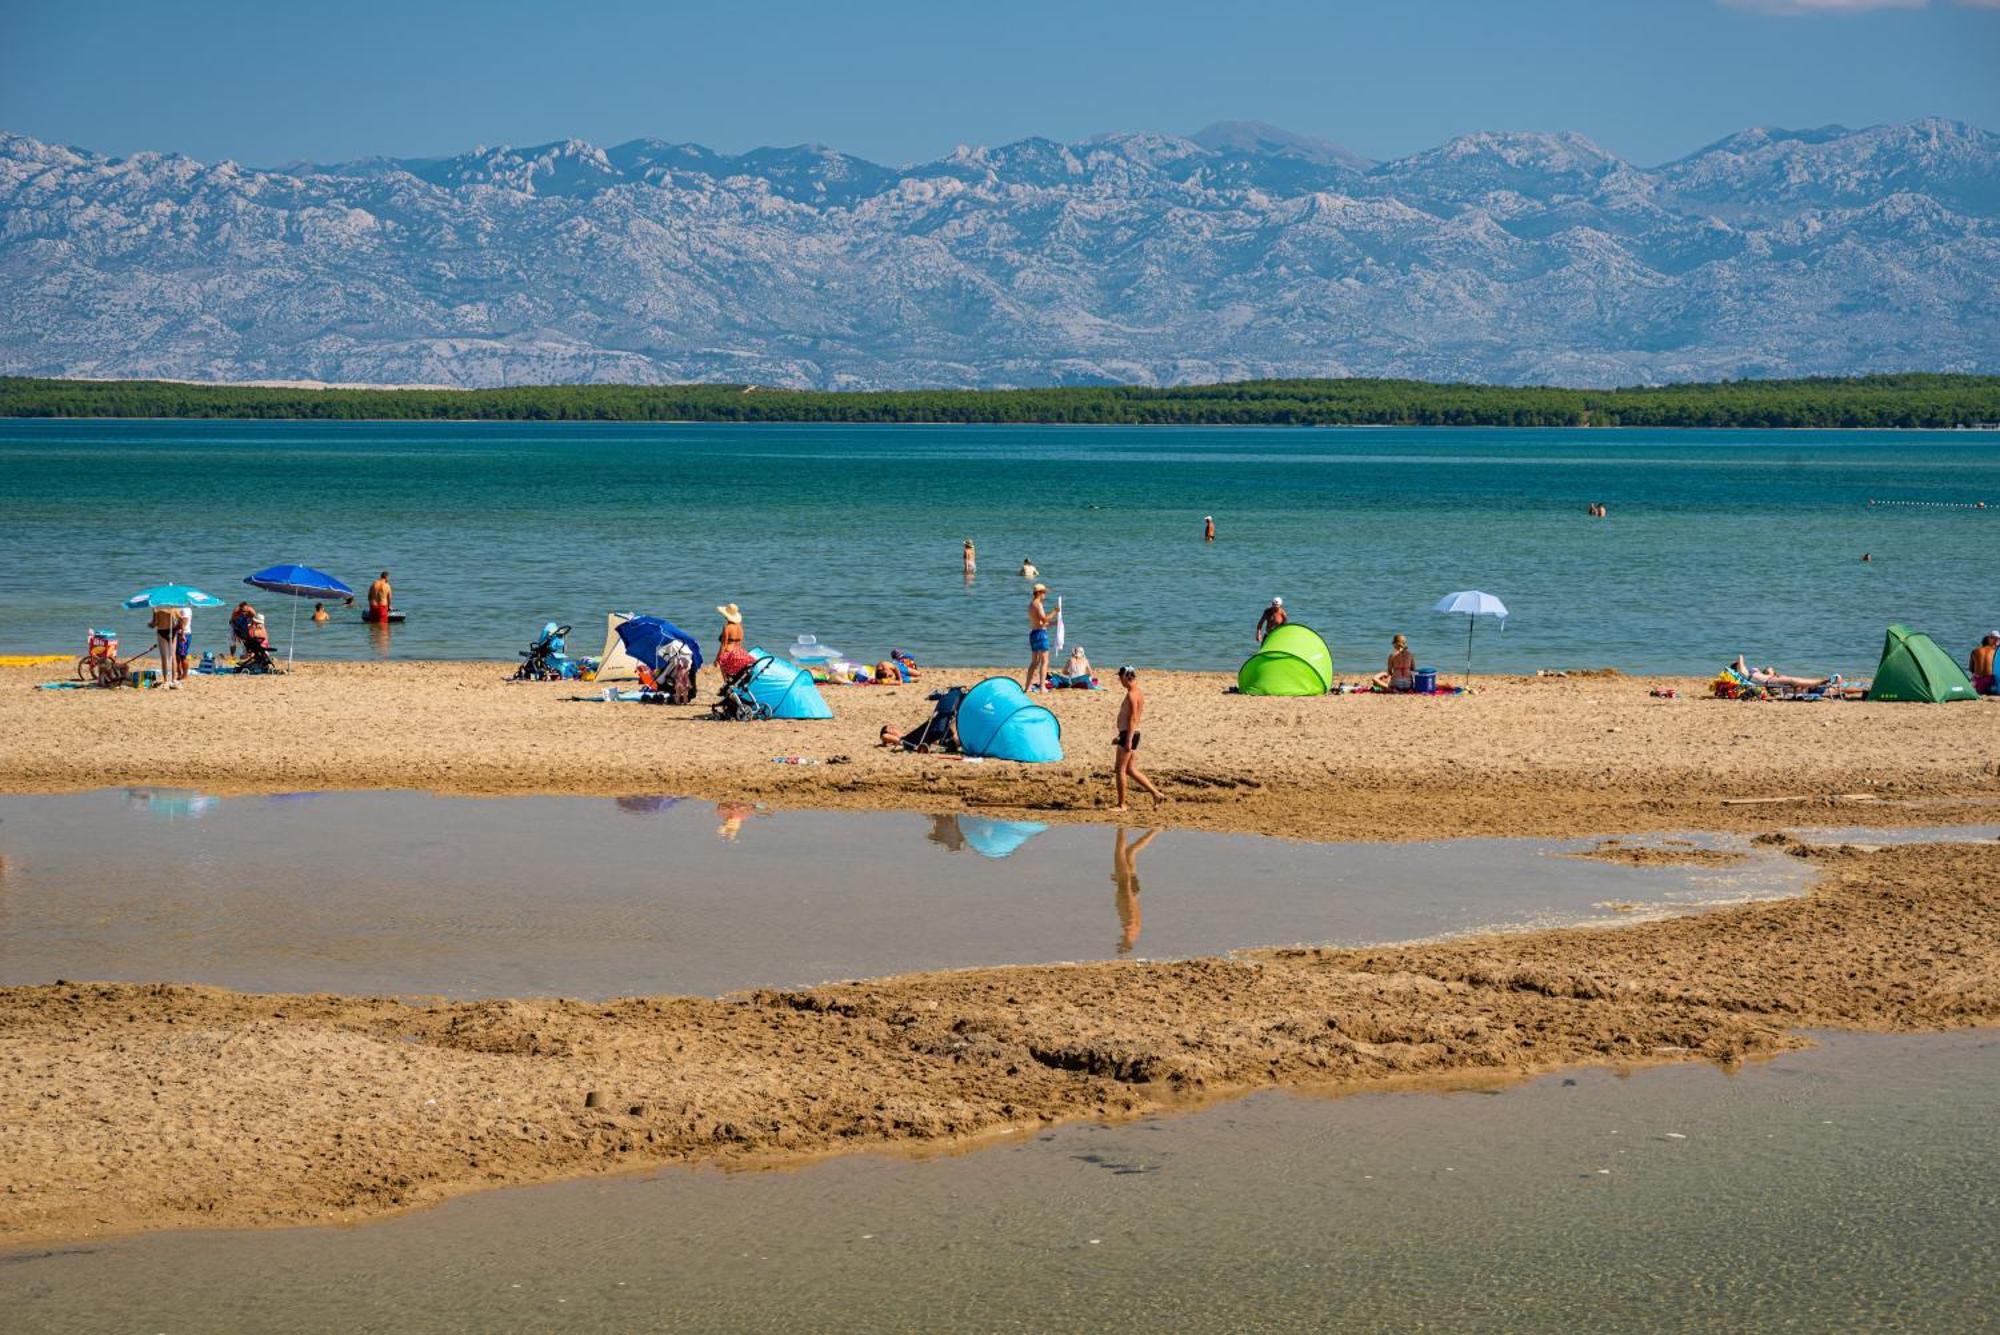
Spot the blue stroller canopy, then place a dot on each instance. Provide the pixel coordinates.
(998, 720)
(644, 637)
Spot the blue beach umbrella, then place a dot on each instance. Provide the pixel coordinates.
(300, 582)
(1472, 605)
(173, 595)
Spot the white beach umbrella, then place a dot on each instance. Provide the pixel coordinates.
(1472, 605)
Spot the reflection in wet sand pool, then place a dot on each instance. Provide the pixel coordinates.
(407, 893)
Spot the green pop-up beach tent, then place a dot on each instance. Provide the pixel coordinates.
(1293, 660)
(1914, 668)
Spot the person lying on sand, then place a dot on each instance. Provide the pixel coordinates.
(1770, 676)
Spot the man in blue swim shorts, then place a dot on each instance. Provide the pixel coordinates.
(1039, 621)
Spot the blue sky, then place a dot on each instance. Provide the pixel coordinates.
(1649, 79)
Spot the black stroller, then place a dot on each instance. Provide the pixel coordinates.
(256, 658)
(736, 703)
(547, 657)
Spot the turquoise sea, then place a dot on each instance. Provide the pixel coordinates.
(1716, 542)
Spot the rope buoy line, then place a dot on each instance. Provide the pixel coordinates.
(1933, 505)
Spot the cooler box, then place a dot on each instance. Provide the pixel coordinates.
(1425, 681)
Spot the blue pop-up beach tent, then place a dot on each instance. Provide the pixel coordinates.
(783, 691)
(998, 720)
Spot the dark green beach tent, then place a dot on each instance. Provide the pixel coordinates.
(1914, 668)
(1293, 660)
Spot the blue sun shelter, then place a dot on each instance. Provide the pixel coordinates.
(996, 719)
(997, 839)
(783, 691)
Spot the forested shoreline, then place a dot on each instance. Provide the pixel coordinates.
(1882, 401)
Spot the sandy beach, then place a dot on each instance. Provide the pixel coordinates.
(130, 1106)
(136, 1106)
(1517, 756)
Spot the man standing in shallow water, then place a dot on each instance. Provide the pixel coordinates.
(379, 596)
(1131, 712)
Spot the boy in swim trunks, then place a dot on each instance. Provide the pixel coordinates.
(1039, 621)
(1130, 713)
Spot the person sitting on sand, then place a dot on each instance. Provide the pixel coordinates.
(1402, 673)
(1770, 676)
(1981, 664)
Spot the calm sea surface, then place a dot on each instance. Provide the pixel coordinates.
(1717, 542)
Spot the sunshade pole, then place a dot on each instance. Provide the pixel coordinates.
(292, 646)
(1469, 623)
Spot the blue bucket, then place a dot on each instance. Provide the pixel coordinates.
(1425, 681)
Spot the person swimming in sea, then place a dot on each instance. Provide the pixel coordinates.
(319, 612)
(1028, 570)
(971, 558)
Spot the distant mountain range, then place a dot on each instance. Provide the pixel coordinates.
(1242, 251)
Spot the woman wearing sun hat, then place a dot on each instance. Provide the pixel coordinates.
(732, 630)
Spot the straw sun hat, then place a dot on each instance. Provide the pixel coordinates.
(731, 614)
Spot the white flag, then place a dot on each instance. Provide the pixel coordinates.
(1059, 625)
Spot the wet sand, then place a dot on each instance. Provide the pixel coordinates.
(1519, 756)
(130, 1106)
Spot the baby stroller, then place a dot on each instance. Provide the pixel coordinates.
(547, 657)
(256, 658)
(939, 732)
(736, 704)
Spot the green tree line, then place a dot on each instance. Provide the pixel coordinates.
(1911, 400)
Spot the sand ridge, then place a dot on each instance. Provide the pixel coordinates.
(1519, 756)
(129, 1106)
